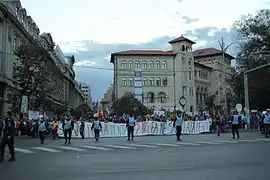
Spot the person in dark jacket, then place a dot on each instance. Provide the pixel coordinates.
(9, 131)
(130, 124)
(68, 126)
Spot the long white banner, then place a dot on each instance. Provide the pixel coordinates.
(142, 128)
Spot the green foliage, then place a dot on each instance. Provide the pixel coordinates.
(82, 110)
(35, 75)
(130, 105)
(254, 33)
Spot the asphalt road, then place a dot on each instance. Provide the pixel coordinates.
(203, 157)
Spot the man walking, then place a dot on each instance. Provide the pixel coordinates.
(97, 127)
(236, 119)
(178, 125)
(9, 131)
(68, 126)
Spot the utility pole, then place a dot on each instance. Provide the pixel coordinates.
(224, 48)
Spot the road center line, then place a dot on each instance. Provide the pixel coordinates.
(97, 148)
(71, 148)
(46, 149)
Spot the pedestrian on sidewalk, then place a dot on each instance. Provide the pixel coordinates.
(97, 128)
(178, 125)
(9, 132)
(266, 123)
(235, 119)
(68, 126)
(42, 129)
(217, 123)
(130, 127)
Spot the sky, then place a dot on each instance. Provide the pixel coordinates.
(92, 30)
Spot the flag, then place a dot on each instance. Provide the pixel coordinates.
(100, 114)
(107, 111)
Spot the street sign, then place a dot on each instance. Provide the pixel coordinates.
(238, 107)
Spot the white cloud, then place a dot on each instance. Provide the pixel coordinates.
(137, 21)
(85, 63)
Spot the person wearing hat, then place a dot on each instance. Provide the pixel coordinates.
(68, 126)
(9, 132)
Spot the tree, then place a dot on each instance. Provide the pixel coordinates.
(130, 105)
(254, 35)
(35, 75)
(82, 110)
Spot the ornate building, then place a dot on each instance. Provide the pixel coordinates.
(167, 77)
(15, 27)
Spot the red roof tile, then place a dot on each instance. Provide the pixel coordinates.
(145, 52)
(208, 52)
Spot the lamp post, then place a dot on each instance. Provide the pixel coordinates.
(224, 48)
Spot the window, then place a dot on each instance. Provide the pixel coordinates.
(151, 82)
(195, 73)
(144, 65)
(137, 64)
(165, 82)
(164, 65)
(183, 47)
(189, 63)
(158, 82)
(161, 97)
(15, 42)
(130, 65)
(124, 82)
(189, 75)
(150, 97)
(151, 65)
(130, 82)
(158, 64)
(124, 65)
(144, 81)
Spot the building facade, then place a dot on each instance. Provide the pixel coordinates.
(107, 99)
(16, 27)
(86, 90)
(167, 77)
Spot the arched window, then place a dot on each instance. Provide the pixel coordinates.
(130, 63)
(130, 82)
(165, 81)
(144, 81)
(124, 65)
(124, 82)
(158, 81)
(151, 65)
(144, 65)
(183, 47)
(150, 97)
(164, 65)
(161, 97)
(138, 65)
(151, 81)
(158, 64)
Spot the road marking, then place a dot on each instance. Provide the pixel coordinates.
(46, 149)
(205, 142)
(119, 147)
(186, 143)
(247, 140)
(24, 151)
(263, 139)
(143, 145)
(171, 145)
(71, 148)
(97, 148)
(232, 142)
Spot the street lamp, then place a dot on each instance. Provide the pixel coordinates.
(224, 48)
